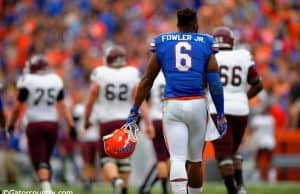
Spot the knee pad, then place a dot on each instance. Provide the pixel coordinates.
(225, 161)
(238, 160)
(238, 157)
(106, 160)
(124, 165)
(226, 166)
(38, 166)
(46, 166)
(177, 170)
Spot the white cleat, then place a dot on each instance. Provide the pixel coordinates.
(241, 190)
(118, 186)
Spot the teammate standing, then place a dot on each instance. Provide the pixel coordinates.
(42, 91)
(161, 169)
(262, 126)
(237, 71)
(113, 87)
(187, 60)
(89, 144)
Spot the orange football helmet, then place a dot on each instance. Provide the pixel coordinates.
(121, 143)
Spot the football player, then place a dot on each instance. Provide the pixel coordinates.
(237, 72)
(186, 59)
(262, 127)
(43, 93)
(113, 86)
(161, 169)
(88, 143)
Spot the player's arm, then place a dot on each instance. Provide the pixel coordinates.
(21, 98)
(93, 93)
(216, 91)
(147, 80)
(215, 85)
(65, 111)
(149, 128)
(145, 86)
(255, 83)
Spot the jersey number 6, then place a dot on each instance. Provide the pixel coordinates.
(183, 61)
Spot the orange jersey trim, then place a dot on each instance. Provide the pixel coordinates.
(185, 98)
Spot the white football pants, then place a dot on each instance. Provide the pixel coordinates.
(184, 129)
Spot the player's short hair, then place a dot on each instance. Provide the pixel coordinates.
(186, 17)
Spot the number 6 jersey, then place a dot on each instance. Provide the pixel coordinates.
(40, 92)
(183, 58)
(236, 69)
(116, 91)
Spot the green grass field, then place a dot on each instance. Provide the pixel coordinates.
(211, 188)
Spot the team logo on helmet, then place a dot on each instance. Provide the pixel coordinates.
(122, 142)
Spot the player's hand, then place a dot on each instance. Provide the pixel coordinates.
(150, 131)
(133, 115)
(73, 133)
(222, 124)
(81, 133)
(9, 131)
(87, 125)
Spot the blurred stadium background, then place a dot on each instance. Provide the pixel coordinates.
(74, 34)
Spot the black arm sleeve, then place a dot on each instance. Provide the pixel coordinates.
(23, 94)
(61, 95)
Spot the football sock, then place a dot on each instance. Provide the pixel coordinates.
(238, 176)
(164, 182)
(116, 181)
(124, 191)
(117, 184)
(45, 186)
(229, 183)
(179, 187)
(194, 190)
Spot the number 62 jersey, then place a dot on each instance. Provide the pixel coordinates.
(236, 69)
(116, 91)
(42, 91)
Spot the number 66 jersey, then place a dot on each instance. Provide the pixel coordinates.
(236, 69)
(116, 91)
(42, 91)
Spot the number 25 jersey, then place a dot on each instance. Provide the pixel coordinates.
(236, 69)
(116, 91)
(43, 91)
(183, 58)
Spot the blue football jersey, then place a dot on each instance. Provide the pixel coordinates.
(183, 58)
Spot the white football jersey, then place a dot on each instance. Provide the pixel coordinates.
(43, 91)
(263, 131)
(156, 97)
(234, 66)
(116, 91)
(92, 133)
